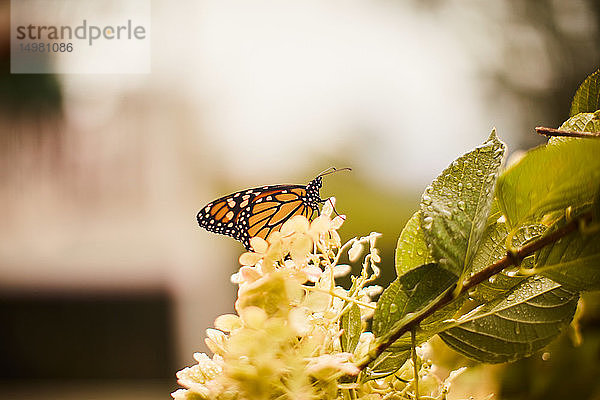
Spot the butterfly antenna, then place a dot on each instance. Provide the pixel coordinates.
(332, 170)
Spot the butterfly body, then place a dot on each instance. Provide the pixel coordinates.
(260, 211)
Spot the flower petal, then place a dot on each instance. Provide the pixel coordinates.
(313, 273)
(320, 225)
(337, 222)
(355, 251)
(299, 321)
(258, 244)
(228, 322)
(296, 224)
(341, 270)
(249, 274)
(328, 207)
(253, 317)
(301, 246)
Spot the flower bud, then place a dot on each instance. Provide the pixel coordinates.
(259, 245)
(253, 317)
(355, 251)
(228, 322)
(215, 340)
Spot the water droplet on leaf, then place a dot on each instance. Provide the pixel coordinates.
(427, 222)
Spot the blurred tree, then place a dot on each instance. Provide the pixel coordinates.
(534, 53)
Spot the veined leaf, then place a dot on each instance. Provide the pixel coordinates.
(516, 324)
(495, 213)
(573, 261)
(410, 293)
(456, 206)
(492, 249)
(386, 364)
(351, 324)
(583, 122)
(411, 250)
(549, 179)
(587, 97)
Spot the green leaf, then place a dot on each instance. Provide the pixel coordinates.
(516, 324)
(495, 213)
(583, 122)
(456, 206)
(411, 250)
(351, 324)
(549, 179)
(407, 294)
(587, 97)
(573, 261)
(492, 249)
(386, 364)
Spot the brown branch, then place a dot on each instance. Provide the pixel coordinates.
(513, 258)
(542, 130)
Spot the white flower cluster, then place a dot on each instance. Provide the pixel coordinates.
(285, 341)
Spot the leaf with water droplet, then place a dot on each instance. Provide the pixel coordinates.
(516, 325)
(386, 364)
(411, 250)
(573, 261)
(493, 248)
(582, 122)
(454, 219)
(549, 179)
(408, 294)
(495, 213)
(427, 222)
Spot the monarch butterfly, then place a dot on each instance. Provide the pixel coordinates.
(262, 210)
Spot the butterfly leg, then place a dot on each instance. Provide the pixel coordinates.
(332, 205)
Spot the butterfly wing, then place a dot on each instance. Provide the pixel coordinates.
(255, 212)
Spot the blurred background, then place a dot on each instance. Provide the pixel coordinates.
(106, 282)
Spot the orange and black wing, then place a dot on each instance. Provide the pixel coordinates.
(255, 212)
